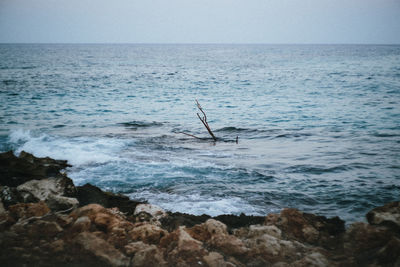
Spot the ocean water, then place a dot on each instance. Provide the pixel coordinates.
(318, 126)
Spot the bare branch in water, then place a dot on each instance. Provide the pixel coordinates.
(191, 135)
(204, 120)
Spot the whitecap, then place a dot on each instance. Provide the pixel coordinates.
(78, 151)
(199, 204)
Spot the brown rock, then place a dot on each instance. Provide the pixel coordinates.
(105, 220)
(309, 228)
(182, 249)
(222, 241)
(314, 259)
(147, 233)
(119, 237)
(27, 210)
(148, 257)
(103, 252)
(6, 220)
(214, 259)
(90, 211)
(41, 229)
(133, 247)
(367, 244)
(57, 246)
(199, 232)
(82, 224)
(258, 230)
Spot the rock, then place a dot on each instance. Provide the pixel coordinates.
(150, 213)
(6, 221)
(234, 221)
(57, 246)
(306, 227)
(390, 253)
(99, 250)
(133, 247)
(147, 233)
(174, 220)
(315, 259)
(89, 194)
(15, 171)
(387, 215)
(221, 240)
(214, 259)
(182, 249)
(28, 210)
(89, 210)
(10, 196)
(2, 209)
(41, 229)
(82, 224)
(55, 192)
(148, 257)
(104, 219)
(366, 244)
(258, 230)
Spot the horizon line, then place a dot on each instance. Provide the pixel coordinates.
(188, 43)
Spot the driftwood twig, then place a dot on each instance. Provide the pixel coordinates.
(191, 135)
(204, 120)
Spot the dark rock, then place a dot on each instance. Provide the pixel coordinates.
(234, 221)
(371, 245)
(90, 194)
(11, 196)
(97, 251)
(309, 228)
(387, 215)
(176, 219)
(15, 171)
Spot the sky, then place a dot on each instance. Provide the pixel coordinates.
(200, 21)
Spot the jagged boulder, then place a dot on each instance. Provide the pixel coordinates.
(90, 194)
(28, 210)
(387, 215)
(56, 192)
(182, 249)
(95, 250)
(150, 213)
(15, 171)
(367, 244)
(306, 227)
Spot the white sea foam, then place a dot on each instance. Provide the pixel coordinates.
(198, 204)
(78, 151)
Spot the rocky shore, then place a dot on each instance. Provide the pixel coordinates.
(45, 220)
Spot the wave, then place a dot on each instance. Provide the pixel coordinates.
(293, 135)
(235, 129)
(140, 124)
(316, 169)
(78, 150)
(263, 133)
(198, 204)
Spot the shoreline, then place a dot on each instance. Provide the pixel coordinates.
(46, 220)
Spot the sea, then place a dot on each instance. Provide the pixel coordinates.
(312, 127)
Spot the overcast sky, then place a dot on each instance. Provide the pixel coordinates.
(200, 21)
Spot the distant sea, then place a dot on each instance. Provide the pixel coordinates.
(318, 126)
